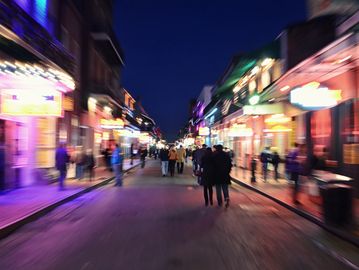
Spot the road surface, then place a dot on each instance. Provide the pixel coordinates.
(155, 222)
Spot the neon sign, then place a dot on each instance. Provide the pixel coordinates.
(313, 96)
(21, 102)
(112, 124)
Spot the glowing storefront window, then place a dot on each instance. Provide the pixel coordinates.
(22, 102)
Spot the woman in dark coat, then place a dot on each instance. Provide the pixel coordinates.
(207, 176)
(222, 167)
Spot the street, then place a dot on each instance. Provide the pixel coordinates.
(155, 222)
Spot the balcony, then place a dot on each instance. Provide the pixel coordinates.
(33, 37)
(108, 45)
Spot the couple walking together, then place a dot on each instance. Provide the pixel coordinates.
(169, 158)
(215, 167)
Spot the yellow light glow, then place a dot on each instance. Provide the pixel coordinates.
(285, 88)
(203, 131)
(92, 104)
(98, 138)
(312, 95)
(240, 130)
(107, 110)
(255, 70)
(105, 136)
(144, 138)
(277, 119)
(267, 62)
(20, 102)
(112, 124)
(277, 129)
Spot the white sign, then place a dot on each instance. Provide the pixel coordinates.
(203, 131)
(312, 96)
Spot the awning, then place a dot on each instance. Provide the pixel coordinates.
(14, 50)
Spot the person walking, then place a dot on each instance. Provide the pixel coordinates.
(117, 162)
(199, 155)
(181, 155)
(294, 167)
(90, 164)
(144, 153)
(164, 157)
(172, 158)
(132, 153)
(265, 157)
(222, 166)
(275, 162)
(194, 160)
(188, 154)
(207, 172)
(61, 160)
(80, 157)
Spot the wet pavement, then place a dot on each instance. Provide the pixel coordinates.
(155, 222)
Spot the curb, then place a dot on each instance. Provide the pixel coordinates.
(10, 228)
(337, 232)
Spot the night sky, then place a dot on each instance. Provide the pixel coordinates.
(175, 47)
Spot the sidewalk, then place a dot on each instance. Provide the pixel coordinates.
(20, 206)
(281, 192)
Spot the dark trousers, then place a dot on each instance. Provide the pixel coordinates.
(208, 194)
(62, 179)
(143, 162)
(265, 170)
(91, 173)
(219, 189)
(295, 179)
(180, 167)
(172, 164)
(276, 175)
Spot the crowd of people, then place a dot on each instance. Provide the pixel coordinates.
(211, 166)
(84, 163)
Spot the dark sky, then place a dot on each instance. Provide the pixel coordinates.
(175, 47)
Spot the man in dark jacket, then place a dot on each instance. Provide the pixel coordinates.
(61, 159)
(275, 161)
(222, 167)
(207, 176)
(143, 155)
(265, 158)
(164, 160)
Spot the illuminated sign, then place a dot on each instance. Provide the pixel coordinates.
(68, 104)
(277, 129)
(129, 133)
(277, 119)
(203, 131)
(313, 96)
(263, 109)
(240, 131)
(112, 123)
(22, 102)
(144, 138)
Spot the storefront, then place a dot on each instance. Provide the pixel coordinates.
(31, 102)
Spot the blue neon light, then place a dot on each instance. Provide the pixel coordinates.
(40, 11)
